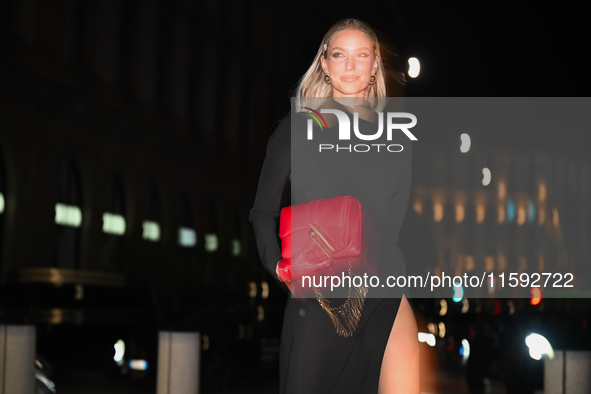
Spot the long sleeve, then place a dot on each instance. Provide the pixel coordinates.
(274, 175)
(399, 201)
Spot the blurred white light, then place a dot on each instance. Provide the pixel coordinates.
(211, 242)
(1, 203)
(68, 215)
(538, 346)
(236, 247)
(264, 290)
(486, 176)
(138, 365)
(458, 292)
(414, 67)
(113, 224)
(465, 350)
(48, 383)
(151, 231)
(119, 352)
(187, 237)
(427, 337)
(465, 146)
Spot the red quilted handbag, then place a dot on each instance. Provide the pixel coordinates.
(317, 234)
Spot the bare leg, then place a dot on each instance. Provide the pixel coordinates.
(400, 365)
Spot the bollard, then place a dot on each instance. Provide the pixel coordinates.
(17, 359)
(569, 372)
(178, 362)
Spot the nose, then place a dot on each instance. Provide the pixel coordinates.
(350, 65)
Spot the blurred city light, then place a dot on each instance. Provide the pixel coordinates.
(68, 215)
(211, 242)
(542, 191)
(187, 237)
(261, 313)
(460, 212)
(531, 211)
(465, 350)
(511, 210)
(480, 213)
(138, 365)
(465, 142)
(418, 207)
(427, 338)
(538, 346)
(500, 214)
(443, 309)
(511, 307)
(1, 203)
(437, 211)
(414, 67)
(442, 329)
(252, 289)
(502, 191)
(465, 305)
(486, 176)
(264, 290)
(151, 231)
(236, 247)
(432, 328)
(536, 295)
(119, 352)
(458, 292)
(521, 215)
(113, 224)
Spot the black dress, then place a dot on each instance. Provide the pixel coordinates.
(313, 358)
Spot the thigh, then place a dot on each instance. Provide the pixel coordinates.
(400, 365)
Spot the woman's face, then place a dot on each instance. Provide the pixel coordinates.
(349, 62)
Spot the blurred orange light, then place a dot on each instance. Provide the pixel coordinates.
(536, 296)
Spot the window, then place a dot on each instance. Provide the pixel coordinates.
(114, 224)
(68, 217)
(187, 237)
(151, 226)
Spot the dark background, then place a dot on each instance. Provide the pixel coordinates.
(160, 111)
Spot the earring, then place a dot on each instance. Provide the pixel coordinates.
(327, 78)
(372, 79)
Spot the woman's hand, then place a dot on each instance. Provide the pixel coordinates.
(286, 282)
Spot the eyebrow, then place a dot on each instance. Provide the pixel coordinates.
(341, 49)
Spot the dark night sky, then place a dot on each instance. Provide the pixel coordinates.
(472, 48)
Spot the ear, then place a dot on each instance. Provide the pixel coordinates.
(376, 61)
(323, 64)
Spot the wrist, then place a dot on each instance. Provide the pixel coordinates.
(283, 270)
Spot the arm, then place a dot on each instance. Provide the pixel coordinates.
(399, 201)
(266, 209)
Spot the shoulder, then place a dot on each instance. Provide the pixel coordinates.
(284, 126)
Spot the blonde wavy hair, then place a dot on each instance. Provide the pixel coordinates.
(312, 91)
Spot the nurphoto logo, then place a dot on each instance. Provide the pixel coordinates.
(345, 130)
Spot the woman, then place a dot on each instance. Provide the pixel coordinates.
(381, 354)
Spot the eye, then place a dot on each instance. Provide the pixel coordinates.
(364, 54)
(337, 54)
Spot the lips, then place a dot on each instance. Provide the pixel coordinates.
(349, 78)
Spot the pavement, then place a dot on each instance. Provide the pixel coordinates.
(95, 385)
